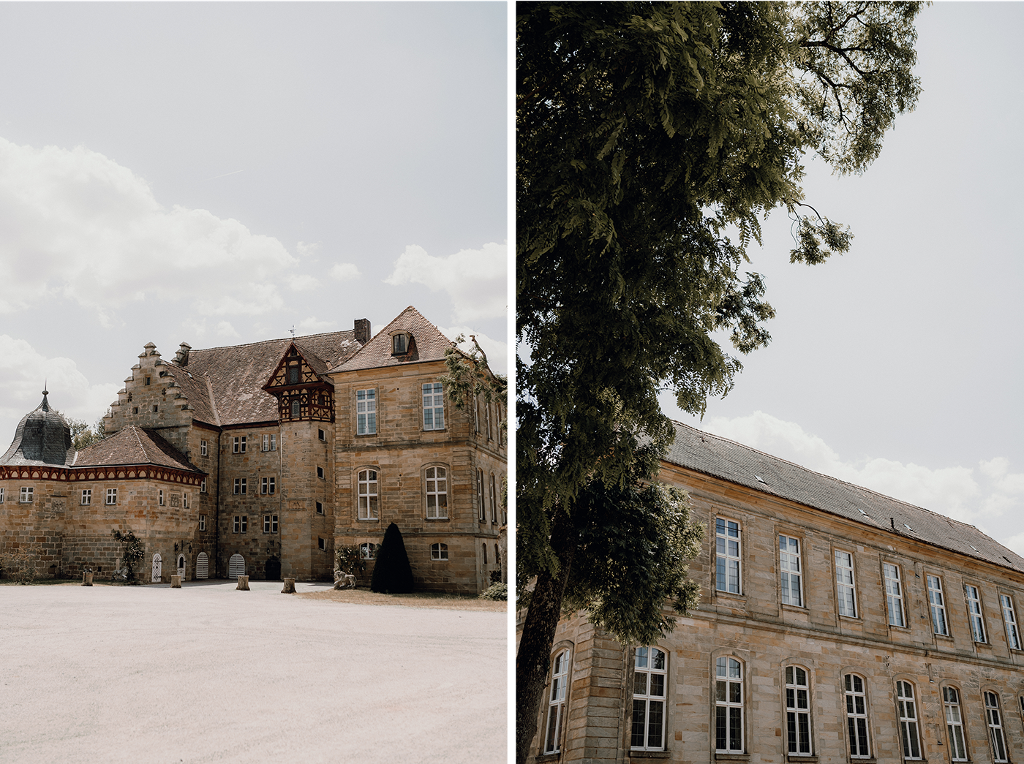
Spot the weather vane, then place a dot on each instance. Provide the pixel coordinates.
(292, 330)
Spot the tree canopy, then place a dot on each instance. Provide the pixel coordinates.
(652, 140)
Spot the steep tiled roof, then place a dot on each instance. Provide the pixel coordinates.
(430, 344)
(224, 385)
(736, 463)
(136, 446)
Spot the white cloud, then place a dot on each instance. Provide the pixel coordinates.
(77, 225)
(313, 325)
(305, 248)
(496, 350)
(476, 280)
(303, 283)
(226, 330)
(345, 271)
(23, 371)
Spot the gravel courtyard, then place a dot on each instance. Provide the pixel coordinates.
(210, 674)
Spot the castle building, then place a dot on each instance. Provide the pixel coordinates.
(262, 459)
(835, 625)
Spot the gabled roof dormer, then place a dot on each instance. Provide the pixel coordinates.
(301, 386)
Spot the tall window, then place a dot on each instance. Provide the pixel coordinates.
(1, 495)
(366, 412)
(487, 419)
(202, 486)
(908, 720)
(995, 726)
(728, 705)
(399, 344)
(894, 595)
(270, 442)
(789, 565)
(954, 724)
(296, 408)
(494, 502)
(480, 495)
(798, 712)
(727, 556)
(86, 496)
(846, 595)
(1010, 619)
(857, 716)
(938, 606)
(268, 485)
(202, 522)
(649, 679)
(367, 492)
(974, 611)
(241, 485)
(160, 498)
(111, 496)
(203, 448)
(433, 406)
(437, 492)
(556, 702)
(238, 444)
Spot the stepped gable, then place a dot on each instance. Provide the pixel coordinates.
(728, 460)
(428, 344)
(225, 385)
(42, 437)
(136, 446)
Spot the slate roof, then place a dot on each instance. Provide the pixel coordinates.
(42, 437)
(736, 463)
(224, 385)
(375, 354)
(134, 446)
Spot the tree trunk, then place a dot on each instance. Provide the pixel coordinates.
(539, 633)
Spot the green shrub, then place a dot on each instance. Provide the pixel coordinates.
(497, 591)
(392, 573)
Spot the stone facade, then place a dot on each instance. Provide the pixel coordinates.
(247, 458)
(814, 616)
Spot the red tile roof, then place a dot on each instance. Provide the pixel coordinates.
(135, 446)
(430, 345)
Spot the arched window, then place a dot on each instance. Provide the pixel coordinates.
(994, 720)
(954, 724)
(157, 567)
(857, 716)
(650, 671)
(438, 551)
(437, 492)
(480, 495)
(909, 728)
(728, 705)
(485, 553)
(494, 502)
(556, 702)
(236, 566)
(202, 565)
(368, 497)
(798, 711)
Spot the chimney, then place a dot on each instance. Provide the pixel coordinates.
(181, 357)
(362, 330)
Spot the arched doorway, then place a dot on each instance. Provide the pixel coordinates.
(202, 566)
(236, 566)
(181, 566)
(273, 569)
(157, 567)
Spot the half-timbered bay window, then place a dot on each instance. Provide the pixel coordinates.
(437, 493)
(367, 493)
(907, 710)
(798, 712)
(727, 556)
(995, 727)
(894, 595)
(954, 724)
(728, 705)
(790, 571)
(433, 406)
(857, 716)
(366, 412)
(556, 702)
(974, 611)
(649, 681)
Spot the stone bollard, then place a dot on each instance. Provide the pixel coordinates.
(175, 582)
(86, 578)
(289, 586)
(243, 583)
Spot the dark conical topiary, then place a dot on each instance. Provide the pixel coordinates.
(392, 573)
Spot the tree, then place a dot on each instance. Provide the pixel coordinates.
(132, 551)
(392, 573)
(82, 436)
(653, 138)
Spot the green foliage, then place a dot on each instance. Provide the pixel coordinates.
(18, 565)
(348, 560)
(497, 591)
(132, 551)
(82, 436)
(392, 573)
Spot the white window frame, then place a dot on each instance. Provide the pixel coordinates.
(368, 494)
(439, 552)
(494, 502)
(203, 448)
(798, 712)
(202, 522)
(910, 727)
(111, 496)
(27, 494)
(728, 687)
(994, 721)
(791, 576)
(436, 492)
(320, 473)
(954, 723)
(728, 556)
(202, 486)
(857, 726)
(366, 411)
(480, 495)
(846, 584)
(650, 688)
(975, 613)
(937, 605)
(894, 595)
(268, 486)
(367, 551)
(1, 495)
(184, 500)
(265, 443)
(433, 406)
(86, 496)
(556, 702)
(1010, 621)
(320, 508)
(160, 497)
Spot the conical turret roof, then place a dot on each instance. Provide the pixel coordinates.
(42, 437)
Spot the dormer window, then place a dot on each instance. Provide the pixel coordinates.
(293, 375)
(399, 343)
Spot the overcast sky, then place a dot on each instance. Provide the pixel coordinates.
(222, 173)
(899, 366)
